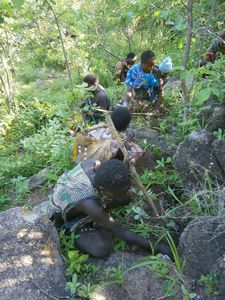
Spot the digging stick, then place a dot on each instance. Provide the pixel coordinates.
(116, 136)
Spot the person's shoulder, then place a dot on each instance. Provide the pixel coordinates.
(101, 93)
(100, 90)
(119, 63)
(135, 68)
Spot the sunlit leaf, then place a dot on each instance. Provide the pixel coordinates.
(203, 95)
(157, 13)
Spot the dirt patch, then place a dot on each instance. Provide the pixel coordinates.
(148, 161)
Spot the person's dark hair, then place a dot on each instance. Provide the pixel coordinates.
(131, 55)
(147, 55)
(121, 118)
(90, 79)
(112, 175)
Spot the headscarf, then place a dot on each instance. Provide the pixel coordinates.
(166, 65)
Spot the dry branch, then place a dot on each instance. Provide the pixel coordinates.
(116, 136)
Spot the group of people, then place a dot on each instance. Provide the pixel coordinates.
(144, 82)
(101, 180)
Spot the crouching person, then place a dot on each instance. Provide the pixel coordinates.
(97, 143)
(82, 199)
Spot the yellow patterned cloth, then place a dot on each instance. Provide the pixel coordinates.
(97, 143)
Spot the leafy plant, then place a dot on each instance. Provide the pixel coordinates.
(140, 214)
(214, 85)
(210, 283)
(74, 284)
(5, 202)
(219, 134)
(163, 162)
(175, 254)
(21, 187)
(120, 244)
(116, 273)
(77, 266)
(187, 295)
(75, 261)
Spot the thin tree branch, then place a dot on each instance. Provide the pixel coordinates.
(63, 46)
(7, 96)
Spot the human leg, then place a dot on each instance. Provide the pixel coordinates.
(97, 242)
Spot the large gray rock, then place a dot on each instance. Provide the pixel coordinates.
(219, 269)
(219, 151)
(111, 291)
(31, 267)
(212, 116)
(143, 284)
(38, 179)
(195, 158)
(153, 138)
(201, 244)
(138, 281)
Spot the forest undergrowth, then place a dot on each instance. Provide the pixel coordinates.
(39, 111)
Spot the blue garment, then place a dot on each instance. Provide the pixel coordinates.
(150, 80)
(137, 78)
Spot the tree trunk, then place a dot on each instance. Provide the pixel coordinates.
(7, 96)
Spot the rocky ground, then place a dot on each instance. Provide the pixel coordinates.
(31, 265)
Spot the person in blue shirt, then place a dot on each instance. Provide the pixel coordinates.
(141, 80)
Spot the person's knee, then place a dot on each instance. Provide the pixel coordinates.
(97, 243)
(101, 250)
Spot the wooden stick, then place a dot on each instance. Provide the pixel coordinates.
(110, 111)
(116, 136)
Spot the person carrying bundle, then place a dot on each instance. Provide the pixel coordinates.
(122, 67)
(97, 143)
(215, 51)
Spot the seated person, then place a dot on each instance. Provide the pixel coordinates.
(99, 99)
(215, 50)
(140, 81)
(97, 143)
(122, 67)
(80, 202)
